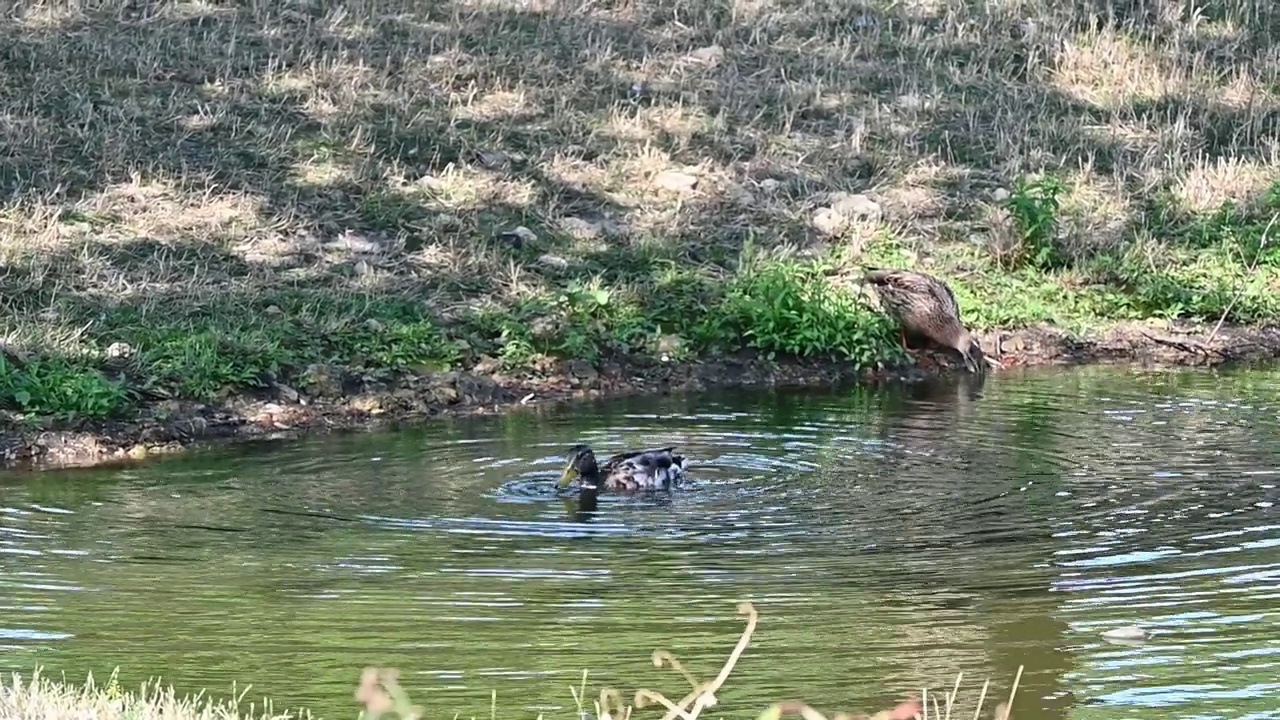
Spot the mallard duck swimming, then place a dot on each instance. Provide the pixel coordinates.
(656, 469)
(924, 305)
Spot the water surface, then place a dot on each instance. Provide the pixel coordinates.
(889, 539)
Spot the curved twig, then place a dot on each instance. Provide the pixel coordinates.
(659, 656)
(749, 610)
(603, 708)
(707, 698)
(644, 694)
(673, 710)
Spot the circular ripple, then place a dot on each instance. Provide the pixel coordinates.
(889, 539)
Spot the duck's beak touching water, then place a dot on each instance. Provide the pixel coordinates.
(566, 477)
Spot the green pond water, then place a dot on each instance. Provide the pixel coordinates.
(889, 538)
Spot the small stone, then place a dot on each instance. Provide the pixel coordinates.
(520, 236)
(363, 268)
(999, 194)
(137, 452)
(583, 370)
(770, 185)
(553, 261)
(119, 350)
(373, 325)
(856, 207)
(675, 181)
(828, 221)
(709, 55)
(274, 310)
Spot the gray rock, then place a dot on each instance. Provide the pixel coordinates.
(553, 261)
(856, 207)
(519, 235)
(828, 221)
(583, 370)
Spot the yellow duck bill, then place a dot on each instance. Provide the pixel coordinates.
(567, 476)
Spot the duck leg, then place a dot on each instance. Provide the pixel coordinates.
(913, 354)
(902, 337)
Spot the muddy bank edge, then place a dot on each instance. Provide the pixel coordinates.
(351, 404)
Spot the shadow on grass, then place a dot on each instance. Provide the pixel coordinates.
(340, 121)
(219, 165)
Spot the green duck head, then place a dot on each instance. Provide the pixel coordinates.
(581, 462)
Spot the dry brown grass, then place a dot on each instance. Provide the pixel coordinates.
(188, 159)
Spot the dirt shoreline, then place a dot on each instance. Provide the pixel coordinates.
(283, 413)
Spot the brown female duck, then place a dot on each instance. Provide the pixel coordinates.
(923, 305)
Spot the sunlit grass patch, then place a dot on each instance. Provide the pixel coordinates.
(240, 193)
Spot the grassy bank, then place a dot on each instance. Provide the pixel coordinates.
(202, 200)
(380, 695)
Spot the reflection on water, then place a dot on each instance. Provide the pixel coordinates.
(889, 538)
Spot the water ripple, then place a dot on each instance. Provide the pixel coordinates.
(993, 526)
